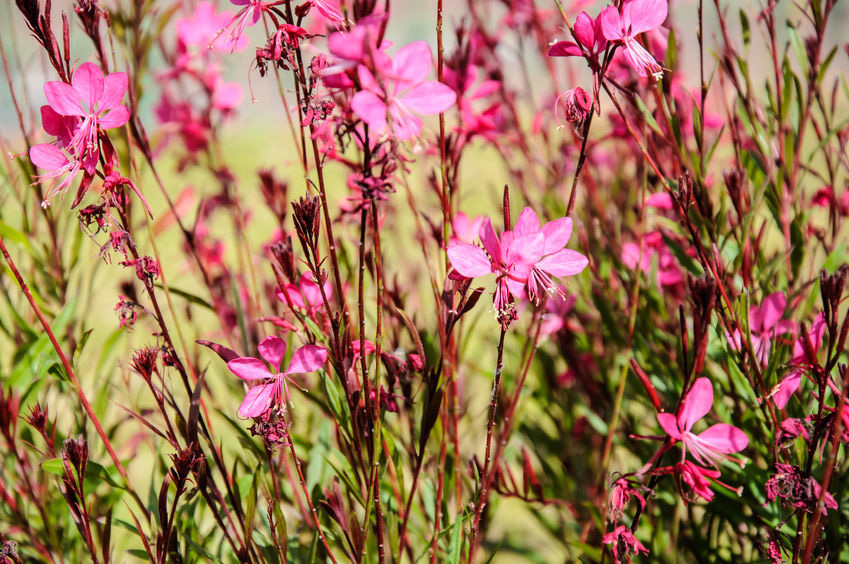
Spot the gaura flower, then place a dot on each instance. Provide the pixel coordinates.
(623, 27)
(764, 324)
(716, 442)
(274, 387)
(394, 91)
(524, 259)
(782, 392)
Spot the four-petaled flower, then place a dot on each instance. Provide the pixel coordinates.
(274, 388)
(764, 324)
(398, 90)
(524, 259)
(716, 442)
(76, 115)
(635, 17)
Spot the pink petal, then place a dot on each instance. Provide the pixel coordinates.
(564, 262)
(782, 392)
(115, 118)
(429, 98)
(659, 200)
(645, 15)
(371, 110)
(88, 82)
(585, 30)
(696, 405)
(490, 240)
(47, 157)
(771, 310)
(611, 26)
(564, 49)
(272, 349)
(413, 62)
(557, 234)
(724, 438)
(405, 125)
(248, 368)
(114, 87)
(257, 400)
(307, 359)
(468, 260)
(528, 222)
(525, 249)
(56, 124)
(669, 424)
(63, 98)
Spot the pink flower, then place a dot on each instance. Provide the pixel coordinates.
(668, 273)
(328, 11)
(696, 478)
(526, 257)
(246, 17)
(307, 294)
(75, 114)
(274, 390)
(624, 543)
(578, 105)
(465, 230)
(781, 393)
(400, 91)
(636, 17)
(764, 324)
(203, 29)
(588, 34)
(712, 444)
(96, 100)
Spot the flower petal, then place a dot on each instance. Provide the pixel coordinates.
(428, 98)
(782, 392)
(564, 49)
(645, 15)
(611, 26)
(528, 222)
(696, 405)
(371, 110)
(114, 88)
(669, 424)
(557, 234)
(88, 82)
(723, 438)
(47, 157)
(412, 63)
(490, 240)
(307, 359)
(272, 349)
(63, 98)
(469, 260)
(564, 262)
(115, 118)
(248, 368)
(257, 400)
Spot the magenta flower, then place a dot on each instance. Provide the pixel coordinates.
(712, 444)
(696, 478)
(588, 34)
(781, 393)
(328, 11)
(636, 17)
(94, 98)
(524, 259)
(274, 388)
(624, 543)
(764, 324)
(400, 91)
(76, 114)
(306, 295)
(203, 29)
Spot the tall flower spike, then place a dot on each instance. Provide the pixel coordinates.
(716, 442)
